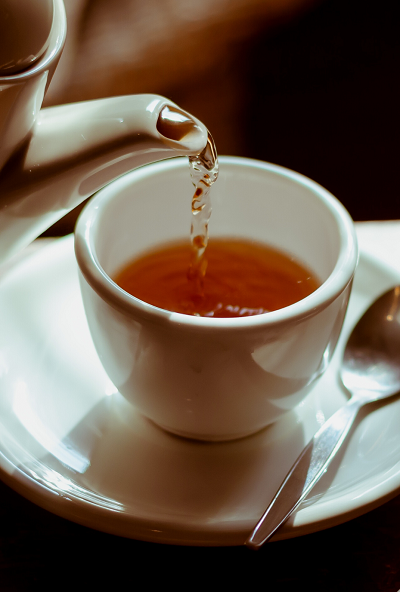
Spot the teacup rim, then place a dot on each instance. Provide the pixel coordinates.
(100, 281)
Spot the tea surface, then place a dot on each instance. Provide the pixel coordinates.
(243, 278)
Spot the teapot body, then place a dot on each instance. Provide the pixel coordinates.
(22, 94)
(52, 159)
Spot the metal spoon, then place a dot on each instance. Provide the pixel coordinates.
(371, 372)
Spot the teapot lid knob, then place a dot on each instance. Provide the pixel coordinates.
(25, 27)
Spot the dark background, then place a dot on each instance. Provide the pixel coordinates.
(324, 100)
(314, 88)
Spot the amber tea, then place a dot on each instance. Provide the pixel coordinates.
(243, 278)
(224, 278)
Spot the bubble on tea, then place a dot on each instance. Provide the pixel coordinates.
(204, 172)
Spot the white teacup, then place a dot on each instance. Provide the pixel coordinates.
(209, 378)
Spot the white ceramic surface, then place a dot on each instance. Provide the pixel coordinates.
(75, 150)
(211, 378)
(72, 445)
(22, 93)
(52, 159)
(25, 27)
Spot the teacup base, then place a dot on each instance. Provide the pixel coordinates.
(208, 437)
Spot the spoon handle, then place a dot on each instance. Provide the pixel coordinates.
(305, 473)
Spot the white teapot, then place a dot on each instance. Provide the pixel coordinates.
(52, 159)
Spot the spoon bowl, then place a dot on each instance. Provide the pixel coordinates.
(370, 371)
(371, 359)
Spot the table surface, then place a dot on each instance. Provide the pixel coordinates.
(40, 550)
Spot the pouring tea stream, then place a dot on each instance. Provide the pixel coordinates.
(52, 159)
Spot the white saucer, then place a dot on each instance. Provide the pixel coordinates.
(72, 445)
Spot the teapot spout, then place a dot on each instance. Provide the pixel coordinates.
(75, 150)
